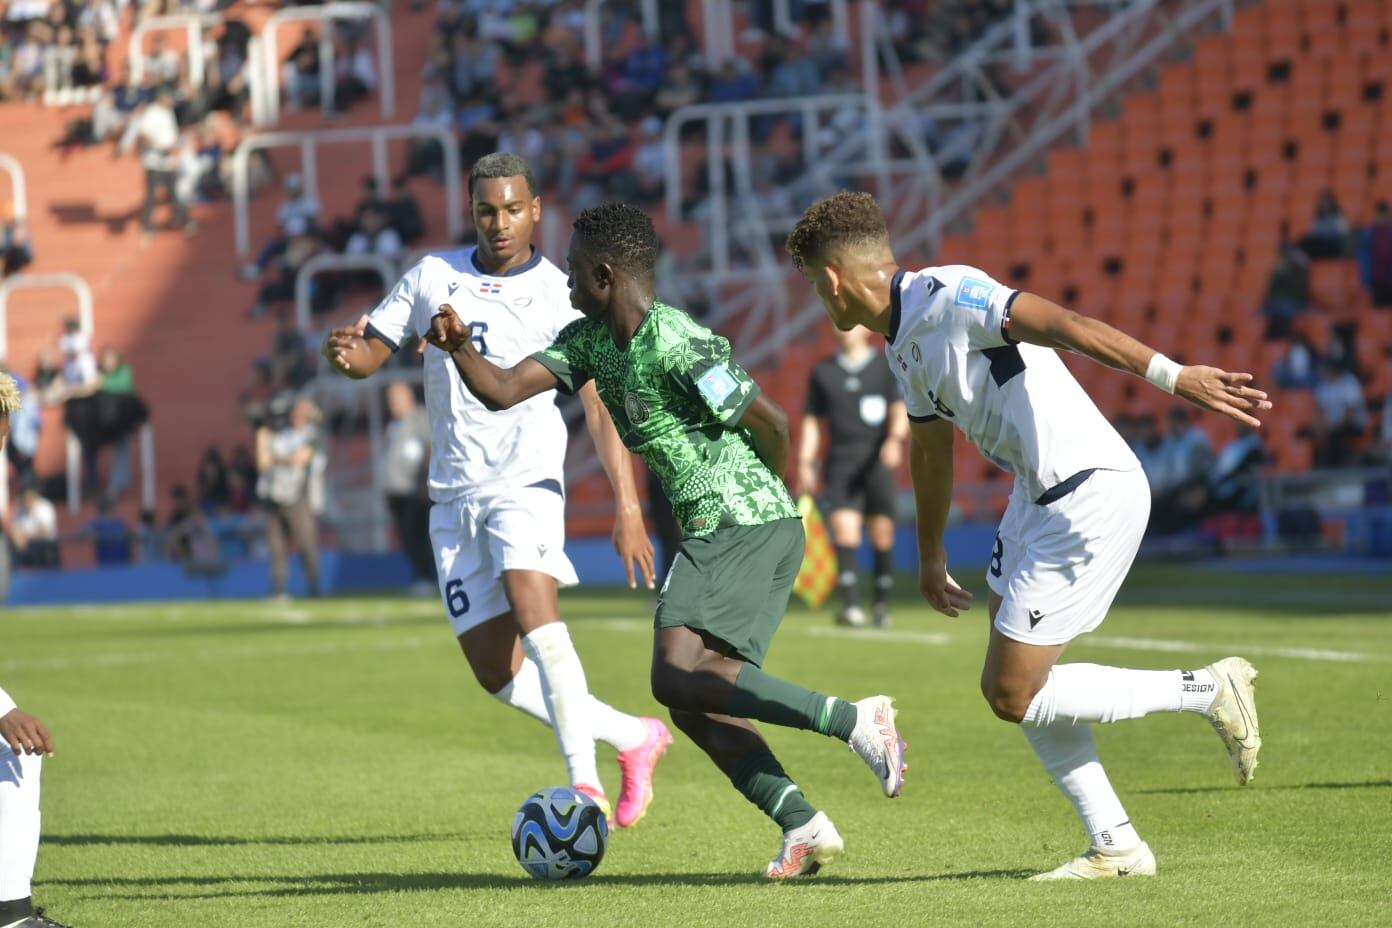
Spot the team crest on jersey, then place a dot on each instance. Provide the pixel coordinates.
(973, 293)
(635, 409)
(490, 287)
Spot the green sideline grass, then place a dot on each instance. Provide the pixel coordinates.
(333, 764)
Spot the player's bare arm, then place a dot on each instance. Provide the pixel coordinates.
(1038, 321)
(25, 734)
(892, 451)
(930, 464)
(769, 426)
(809, 444)
(353, 353)
(496, 387)
(630, 536)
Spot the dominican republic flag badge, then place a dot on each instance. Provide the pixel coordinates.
(490, 287)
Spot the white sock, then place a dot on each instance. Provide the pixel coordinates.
(19, 822)
(567, 698)
(1082, 693)
(621, 731)
(1069, 754)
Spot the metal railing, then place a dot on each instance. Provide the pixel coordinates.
(194, 25)
(19, 195)
(321, 264)
(265, 90)
(309, 142)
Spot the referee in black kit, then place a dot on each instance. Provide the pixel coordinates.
(866, 428)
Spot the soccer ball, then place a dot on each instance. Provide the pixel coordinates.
(559, 834)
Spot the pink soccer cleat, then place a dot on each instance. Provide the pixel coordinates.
(597, 794)
(637, 766)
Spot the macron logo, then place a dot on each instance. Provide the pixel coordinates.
(454, 285)
(973, 293)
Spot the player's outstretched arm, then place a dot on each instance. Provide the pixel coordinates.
(772, 438)
(496, 387)
(351, 352)
(1036, 320)
(930, 465)
(630, 535)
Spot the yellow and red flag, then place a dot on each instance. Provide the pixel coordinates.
(817, 576)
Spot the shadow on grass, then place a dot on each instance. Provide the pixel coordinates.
(330, 884)
(1186, 790)
(86, 840)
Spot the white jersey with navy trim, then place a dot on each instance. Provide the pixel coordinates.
(950, 348)
(509, 317)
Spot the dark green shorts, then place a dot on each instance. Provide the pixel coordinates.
(734, 584)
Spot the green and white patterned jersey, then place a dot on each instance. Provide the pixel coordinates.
(672, 394)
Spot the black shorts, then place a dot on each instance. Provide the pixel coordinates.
(869, 490)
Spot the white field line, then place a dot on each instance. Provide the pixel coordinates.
(1187, 647)
(643, 625)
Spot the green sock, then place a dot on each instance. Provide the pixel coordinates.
(768, 699)
(760, 778)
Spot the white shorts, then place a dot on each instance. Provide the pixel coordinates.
(478, 536)
(1058, 567)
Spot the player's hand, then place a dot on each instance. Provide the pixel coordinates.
(25, 734)
(942, 592)
(341, 341)
(1219, 391)
(892, 454)
(634, 547)
(446, 331)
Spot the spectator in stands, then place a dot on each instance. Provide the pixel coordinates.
(297, 215)
(302, 244)
(228, 88)
(114, 109)
(287, 455)
(405, 458)
(403, 212)
(1182, 463)
(1375, 256)
(1341, 416)
(1233, 484)
(788, 71)
(650, 162)
(156, 132)
(188, 537)
(300, 73)
(211, 483)
(1287, 290)
(734, 82)
(474, 65)
(33, 530)
(1329, 235)
(120, 412)
(15, 250)
(355, 74)
(423, 156)
(375, 235)
(1383, 450)
(1296, 369)
(680, 88)
(162, 62)
(112, 540)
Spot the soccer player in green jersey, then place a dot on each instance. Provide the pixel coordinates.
(720, 449)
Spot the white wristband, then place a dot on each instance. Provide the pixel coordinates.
(1163, 372)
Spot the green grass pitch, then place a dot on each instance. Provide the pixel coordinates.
(334, 764)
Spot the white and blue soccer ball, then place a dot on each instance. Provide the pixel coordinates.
(559, 834)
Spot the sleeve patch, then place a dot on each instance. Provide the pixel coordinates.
(716, 385)
(974, 293)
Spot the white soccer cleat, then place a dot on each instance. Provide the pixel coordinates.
(876, 740)
(852, 616)
(1097, 864)
(1233, 714)
(806, 849)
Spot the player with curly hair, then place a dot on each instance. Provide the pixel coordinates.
(972, 353)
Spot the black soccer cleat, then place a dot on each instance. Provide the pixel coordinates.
(37, 920)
